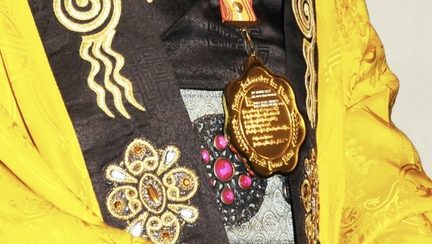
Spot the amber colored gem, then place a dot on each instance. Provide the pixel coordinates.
(117, 204)
(131, 193)
(165, 235)
(137, 150)
(153, 194)
(186, 182)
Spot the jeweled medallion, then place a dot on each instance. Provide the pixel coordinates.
(262, 121)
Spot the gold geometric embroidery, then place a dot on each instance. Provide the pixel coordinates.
(151, 193)
(97, 21)
(305, 17)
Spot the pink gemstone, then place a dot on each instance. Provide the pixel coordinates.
(227, 196)
(220, 142)
(245, 181)
(223, 169)
(205, 155)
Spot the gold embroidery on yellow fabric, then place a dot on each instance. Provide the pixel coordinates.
(310, 198)
(385, 204)
(305, 17)
(151, 193)
(97, 21)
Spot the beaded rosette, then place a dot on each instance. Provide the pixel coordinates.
(239, 194)
(151, 193)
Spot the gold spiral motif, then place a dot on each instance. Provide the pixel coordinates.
(97, 20)
(87, 15)
(304, 14)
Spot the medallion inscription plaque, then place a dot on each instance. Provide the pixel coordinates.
(262, 122)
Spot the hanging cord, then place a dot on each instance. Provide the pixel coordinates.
(249, 45)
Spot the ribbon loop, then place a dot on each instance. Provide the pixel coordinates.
(239, 13)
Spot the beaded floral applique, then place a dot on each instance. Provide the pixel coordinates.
(151, 192)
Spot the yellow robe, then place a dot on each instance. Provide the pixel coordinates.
(46, 192)
(372, 187)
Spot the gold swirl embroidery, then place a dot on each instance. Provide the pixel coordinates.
(305, 17)
(413, 181)
(310, 198)
(97, 21)
(151, 192)
(304, 13)
(414, 173)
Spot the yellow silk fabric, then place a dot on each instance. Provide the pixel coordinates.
(45, 190)
(372, 186)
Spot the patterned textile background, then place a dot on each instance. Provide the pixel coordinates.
(405, 30)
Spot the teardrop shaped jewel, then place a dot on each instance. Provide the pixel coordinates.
(170, 156)
(186, 213)
(118, 175)
(153, 194)
(136, 229)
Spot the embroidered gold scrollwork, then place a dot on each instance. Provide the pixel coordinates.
(310, 198)
(97, 20)
(305, 16)
(124, 202)
(304, 13)
(163, 229)
(151, 192)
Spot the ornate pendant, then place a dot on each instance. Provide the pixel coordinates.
(262, 122)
